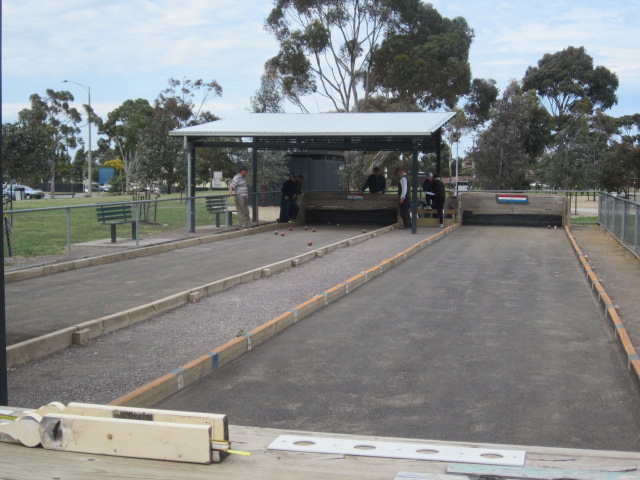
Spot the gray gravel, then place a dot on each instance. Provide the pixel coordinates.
(122, 361)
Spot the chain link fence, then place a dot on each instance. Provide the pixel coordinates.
(621, 217)
(40, 236)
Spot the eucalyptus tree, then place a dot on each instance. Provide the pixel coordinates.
(471, 118)
(160, 157)
(123, 129)
(515, 137)
(567, 81)
(22, 152)
(272, 165)
(346, 50)
(480, 100)
(269, 97)
(621, 167)
(423, 59)
(38, 144)
(575, 93)
(578, 153)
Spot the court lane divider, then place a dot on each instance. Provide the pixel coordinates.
(132, 253)
(82, 333)
(610, 311)
(157, 390)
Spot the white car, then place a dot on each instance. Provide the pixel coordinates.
(29, 193)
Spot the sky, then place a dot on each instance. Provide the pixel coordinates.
(128, 49)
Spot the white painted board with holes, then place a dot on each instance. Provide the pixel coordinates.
(413, 451)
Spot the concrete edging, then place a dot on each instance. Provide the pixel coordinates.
(81, 334)
(170, 383)
(610, 311)
(34, 272)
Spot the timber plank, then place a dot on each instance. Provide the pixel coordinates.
(18, 462)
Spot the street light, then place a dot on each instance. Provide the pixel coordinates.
(88, 89)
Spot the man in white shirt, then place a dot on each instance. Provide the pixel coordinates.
(403, 194)
(239, 183)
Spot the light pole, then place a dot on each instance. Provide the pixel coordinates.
(90, 163)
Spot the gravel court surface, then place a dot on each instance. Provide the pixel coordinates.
(122, 361)
(489, 335)
(72, 297)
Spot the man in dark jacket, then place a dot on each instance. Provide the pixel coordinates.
(288, 207)
(439, 195)
(426, 188)
(376, 182)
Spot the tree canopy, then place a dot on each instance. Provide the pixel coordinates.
(424, 58)
(123, 129)
(346, 50)
(38, 144)
(517, 134)
(567, 79)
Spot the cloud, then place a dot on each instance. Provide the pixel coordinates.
(125, 36)
(129, 48)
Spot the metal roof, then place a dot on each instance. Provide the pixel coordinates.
(322, 131)
(412, 124)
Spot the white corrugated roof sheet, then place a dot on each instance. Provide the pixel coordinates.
(411, 124)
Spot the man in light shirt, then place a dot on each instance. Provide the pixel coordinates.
(403, 194)
(239, 184)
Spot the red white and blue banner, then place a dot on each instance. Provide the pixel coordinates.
(512, 198)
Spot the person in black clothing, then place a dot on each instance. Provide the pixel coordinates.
(288, 207)
(436, 187)
(426, 188)
(376, 182)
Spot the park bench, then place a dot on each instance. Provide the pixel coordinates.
(218, 206)
(116, 215)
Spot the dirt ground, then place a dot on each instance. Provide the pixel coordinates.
(618, 270)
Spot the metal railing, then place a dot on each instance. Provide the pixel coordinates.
(41, 236)
(621, 217)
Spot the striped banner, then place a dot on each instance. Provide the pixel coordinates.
(511, 198)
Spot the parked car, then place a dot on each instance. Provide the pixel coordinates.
(10, 191)
(105, 188)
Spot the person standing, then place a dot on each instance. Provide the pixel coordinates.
(288, 207)
(403, 192)
(376, 182)
(239, 184)
(438, 190)
(427, 191)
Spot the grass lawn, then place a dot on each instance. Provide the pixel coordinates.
(55, 223)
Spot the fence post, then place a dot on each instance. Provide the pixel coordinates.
(137, 222)
(613, 215)
(636, 245)
(69, 231)
(623, 223)
(600, 208)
